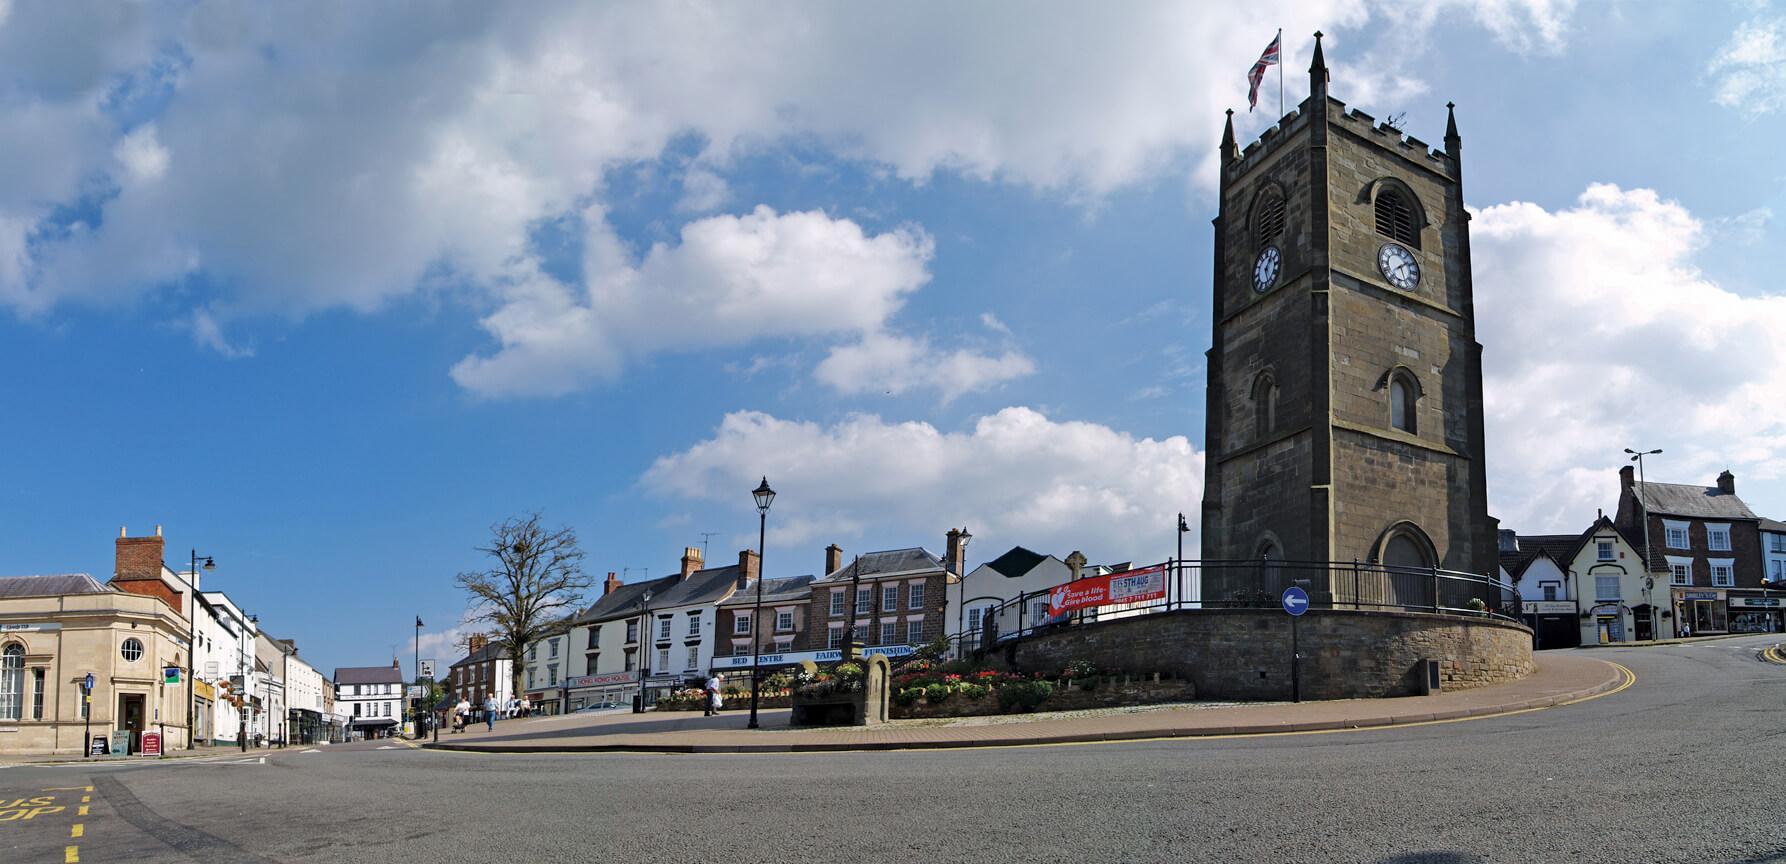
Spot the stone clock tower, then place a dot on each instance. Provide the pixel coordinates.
(1345, 380)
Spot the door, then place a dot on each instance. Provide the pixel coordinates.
(130, 711)
(1643, 624)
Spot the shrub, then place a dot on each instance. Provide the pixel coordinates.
(936, 694)
(1080, 669)
(908, 695)
(973, 691)
(1024, 696)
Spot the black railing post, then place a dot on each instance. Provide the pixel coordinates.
(1357, 587)
(1435, 587)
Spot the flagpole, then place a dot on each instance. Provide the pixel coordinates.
(1280, 73)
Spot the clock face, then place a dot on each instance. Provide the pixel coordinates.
(1398, 266)
(1265, 269)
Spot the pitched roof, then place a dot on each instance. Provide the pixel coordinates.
(891, 561)
(1699, 502)
(50, 586)
(368, 675)
(1560, 548)
(1017, 562)
(702, 586)
(487, 652)
(1771, 525)
(774, 591)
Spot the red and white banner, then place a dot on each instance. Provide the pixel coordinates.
(1131, 586)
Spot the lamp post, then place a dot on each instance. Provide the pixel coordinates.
(192, 640)
(764, 497)
(415, 712)
(961, 606)
(644, 620)
(1178, 571)
(1637, 457)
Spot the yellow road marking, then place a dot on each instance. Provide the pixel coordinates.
(86, 799)
(71, 855)
(69, 789)
(77, 830)
(83, 810)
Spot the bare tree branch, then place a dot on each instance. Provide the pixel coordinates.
(536, 580)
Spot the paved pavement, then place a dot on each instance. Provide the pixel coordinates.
(1683, 766)
(1559, 679)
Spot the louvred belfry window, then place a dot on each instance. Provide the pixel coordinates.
(1395, 218)
(1268, 224)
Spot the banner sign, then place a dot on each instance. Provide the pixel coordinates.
(1756, 602)
(1550, 607)
(742, 661)
(602, 680)
(28, 628)
(1133, 586)
(1699, 595)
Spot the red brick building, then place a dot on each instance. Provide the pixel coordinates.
(1704, 543)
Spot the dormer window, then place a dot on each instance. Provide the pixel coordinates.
(1396, 218)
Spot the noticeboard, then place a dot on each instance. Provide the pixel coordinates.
(151, 744)
(121, 742)
(97, 746)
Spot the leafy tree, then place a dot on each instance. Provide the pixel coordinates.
(535, 580)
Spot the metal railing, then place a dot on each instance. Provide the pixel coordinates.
(1260, 584)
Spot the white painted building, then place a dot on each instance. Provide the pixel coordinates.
(1773, 551)
(544, 669)
(226, 637)
(999, 581)
(371, 698)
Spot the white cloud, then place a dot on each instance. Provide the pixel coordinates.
(703, 191)
(1600, 334)
(1750, 70)
(893, 364)
(208, 332)
(731, 280)
(1016, 477)
(142, 155)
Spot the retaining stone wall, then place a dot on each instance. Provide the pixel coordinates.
(1245, 653)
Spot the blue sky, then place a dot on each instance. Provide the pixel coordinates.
(326, 298)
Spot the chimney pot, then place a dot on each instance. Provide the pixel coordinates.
(611, 584)
(691, 561)
(1727, 483)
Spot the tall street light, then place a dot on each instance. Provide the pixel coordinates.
(415, 712)
(961, 599)
(1637, 457)
(765, 496)
(192, 640)
(644, 620)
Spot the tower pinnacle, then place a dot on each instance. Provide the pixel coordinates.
(1317, 70)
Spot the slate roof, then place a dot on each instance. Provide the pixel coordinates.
(488, 652)
(1696, 502)
(708, 586)
(1561, 548)
(913, 560)
(368, 675)
(774, 591)
(50, 586)
(1771, 525)
(1017, 562)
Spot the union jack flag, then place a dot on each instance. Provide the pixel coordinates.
(1269, 58)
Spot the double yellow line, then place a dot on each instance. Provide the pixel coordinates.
(1774, 654)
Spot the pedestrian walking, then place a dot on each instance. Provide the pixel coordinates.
(713, 698)
(461, 714)
(490, 709)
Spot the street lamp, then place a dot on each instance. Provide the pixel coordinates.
(1178, 572)
(644, 620)
(961, 590)
(764, 496)
(1648, 579)
(192, 639)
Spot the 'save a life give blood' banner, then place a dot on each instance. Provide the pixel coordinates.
(1133, 586)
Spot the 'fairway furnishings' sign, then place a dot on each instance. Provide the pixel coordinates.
(1133, 586)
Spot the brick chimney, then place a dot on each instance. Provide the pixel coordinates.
(1627, 477)
(833, 559)
(691, 561)
(750, 566)
(954, 549)
(1727, 483)
(612, 583)
(476, 643)
(138, 557)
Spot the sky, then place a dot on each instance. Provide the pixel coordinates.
(326, 290)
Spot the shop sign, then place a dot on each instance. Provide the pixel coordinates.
(1699, 595)
(1550, 607)
(1132, 586)
(611, 678)
(742, 661)
(1757, 602)
(151, 744)
(29, 627)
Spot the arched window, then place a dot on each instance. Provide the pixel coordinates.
(12, 682)
(1403, 550)
(1401, 404)
(1396, 217)
(1264, 405)
(1268, 217)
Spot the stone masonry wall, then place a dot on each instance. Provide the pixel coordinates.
(1245, 653)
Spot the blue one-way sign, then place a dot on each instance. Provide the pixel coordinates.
(1295, 600)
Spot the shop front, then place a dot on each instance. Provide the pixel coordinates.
(1701, 611)
(1552, 623)
(545, 702)
(1757, 612)
(612, 689)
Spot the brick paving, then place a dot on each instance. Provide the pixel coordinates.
(1559, 679)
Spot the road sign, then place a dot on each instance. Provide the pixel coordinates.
(1295, 600)
(88, 683)
(151, 744)
(426, 670)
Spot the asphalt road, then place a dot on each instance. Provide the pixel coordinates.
(1688, 764)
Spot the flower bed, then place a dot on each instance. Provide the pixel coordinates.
(694, 699)
(924, 689)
